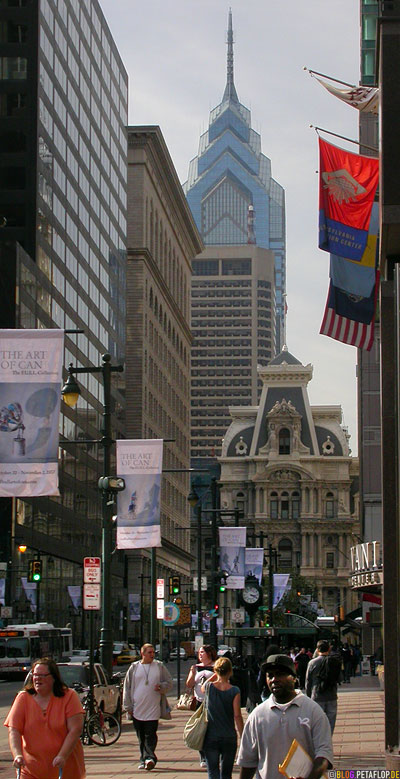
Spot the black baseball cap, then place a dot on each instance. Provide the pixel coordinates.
(280, 661)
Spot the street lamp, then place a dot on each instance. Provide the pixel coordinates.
(195, 503)
(70, 393)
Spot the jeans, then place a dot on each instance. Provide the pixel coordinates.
(330, 709)
(146, 731)
(222, 751)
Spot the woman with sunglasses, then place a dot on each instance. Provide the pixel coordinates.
(45, 723)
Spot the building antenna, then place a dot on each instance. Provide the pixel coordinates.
(230, 91)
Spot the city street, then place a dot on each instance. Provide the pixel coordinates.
(358, 739)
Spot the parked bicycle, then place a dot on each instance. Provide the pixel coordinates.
(99, 727)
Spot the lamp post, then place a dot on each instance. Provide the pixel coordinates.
(70, 393)
(195, 502)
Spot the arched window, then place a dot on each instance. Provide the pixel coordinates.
(295, 505)
(285, 553)
(285, 505)
(329, 505)
(284, 441)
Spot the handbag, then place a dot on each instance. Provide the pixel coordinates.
(165, 708)
(187, 701)
(196, 727)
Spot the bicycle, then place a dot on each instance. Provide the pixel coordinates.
(99, 727)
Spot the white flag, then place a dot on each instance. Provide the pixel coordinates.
(366, 99)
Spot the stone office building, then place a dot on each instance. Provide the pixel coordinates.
(288, 464)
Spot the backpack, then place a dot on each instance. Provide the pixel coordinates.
(328, 673)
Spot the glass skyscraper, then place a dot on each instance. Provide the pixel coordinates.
(230, 175)
(63, 199)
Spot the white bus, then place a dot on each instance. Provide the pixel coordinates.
(21, 644)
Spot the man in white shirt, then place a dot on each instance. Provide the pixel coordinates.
(272, 726)
(144, 684)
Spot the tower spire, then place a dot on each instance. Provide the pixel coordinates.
(230, 91)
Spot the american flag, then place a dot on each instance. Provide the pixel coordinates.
(346, 330)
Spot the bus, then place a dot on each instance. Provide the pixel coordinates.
(21, 644)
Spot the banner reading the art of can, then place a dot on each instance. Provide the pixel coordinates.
(30, 393)
(139, 462)
(253, 562)
(232, 542)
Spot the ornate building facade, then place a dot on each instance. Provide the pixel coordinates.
(288, 465)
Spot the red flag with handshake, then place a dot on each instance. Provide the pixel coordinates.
(347, 189)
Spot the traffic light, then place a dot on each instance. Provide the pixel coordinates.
(174, 585)
(35, 571)
(216, 609)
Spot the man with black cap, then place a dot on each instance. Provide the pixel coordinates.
(272, 726)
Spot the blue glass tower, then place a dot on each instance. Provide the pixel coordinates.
(229, 175)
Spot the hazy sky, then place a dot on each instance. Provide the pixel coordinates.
(175, 55)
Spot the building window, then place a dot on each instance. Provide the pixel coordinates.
(295, 505)
(274, 505)
(330, 506)
(284, 441)
(285, 505)
(285, 552)
(330, 559)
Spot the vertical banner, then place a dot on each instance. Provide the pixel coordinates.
(253, 562)
(134, 606)
(75, 593)
(281, 584)
(30, 592)
(30, 382)
(232, 542)
(140, 463)
(2, 592)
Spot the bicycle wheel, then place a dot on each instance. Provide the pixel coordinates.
(103, 729)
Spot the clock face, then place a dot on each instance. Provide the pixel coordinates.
(251, 594)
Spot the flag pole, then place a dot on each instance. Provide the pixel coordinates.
(337, 80)
(343, 137)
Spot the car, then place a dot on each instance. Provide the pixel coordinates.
(80, 655)
(127, 654)
(107, 693)
(173, 655)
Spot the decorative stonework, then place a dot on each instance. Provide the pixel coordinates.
(284, 415)
(328, 447)
(241, 447)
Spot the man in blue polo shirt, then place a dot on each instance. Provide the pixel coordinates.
(272, 726)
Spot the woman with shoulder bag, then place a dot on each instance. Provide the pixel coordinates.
(198, 675)
(224, 719)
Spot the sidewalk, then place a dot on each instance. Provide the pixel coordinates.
(358, 741)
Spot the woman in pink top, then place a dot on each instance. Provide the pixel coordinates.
(45, 723)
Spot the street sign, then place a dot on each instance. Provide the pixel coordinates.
(91, 570)
(160, 588)
(91, 597)
(6, 611)
(171, 614)
(237, 615)
(203, 583)
(160, 608)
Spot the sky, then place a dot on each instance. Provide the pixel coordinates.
(175, 54)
